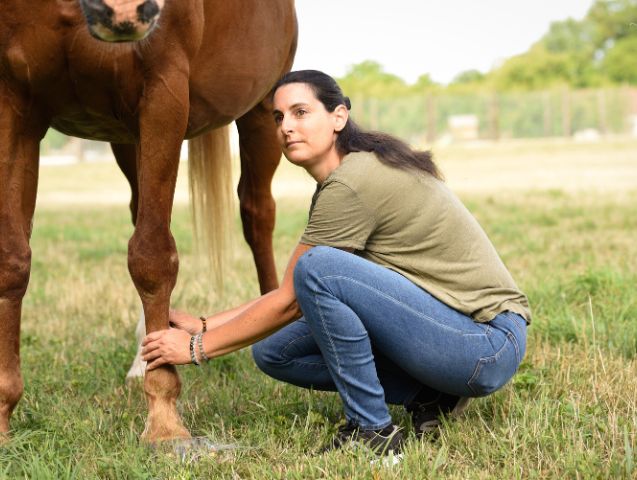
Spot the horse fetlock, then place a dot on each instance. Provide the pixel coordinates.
(163, 382)
(162, 387)
(11, 388)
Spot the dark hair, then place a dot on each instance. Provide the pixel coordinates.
(390, 150)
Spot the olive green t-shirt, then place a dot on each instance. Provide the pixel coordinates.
(410, 222)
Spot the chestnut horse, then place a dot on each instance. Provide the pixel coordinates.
(182, 69)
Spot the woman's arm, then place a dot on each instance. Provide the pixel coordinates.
(253, 321)
(193, 325)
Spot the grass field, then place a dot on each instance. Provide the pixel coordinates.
(564, 219)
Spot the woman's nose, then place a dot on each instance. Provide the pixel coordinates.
(286, 125)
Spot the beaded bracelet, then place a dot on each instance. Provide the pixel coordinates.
(203, 320)
(193, 357)
(202, 353)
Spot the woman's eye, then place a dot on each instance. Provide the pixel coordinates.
(278, 119)
(301, 112)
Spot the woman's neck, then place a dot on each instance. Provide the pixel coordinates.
(322, 169)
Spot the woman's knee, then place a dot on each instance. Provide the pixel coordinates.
(266, 357)
(314, 263)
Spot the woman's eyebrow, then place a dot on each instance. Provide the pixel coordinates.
(296, 105)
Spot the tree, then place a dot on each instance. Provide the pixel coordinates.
(620, 62)
(468, 77)
(369, 79)
(612, 20)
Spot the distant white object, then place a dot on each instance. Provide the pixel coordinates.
(138, 367)
(58, 159)
(587, 135)
(463, 127)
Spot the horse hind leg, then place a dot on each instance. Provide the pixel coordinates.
(126, 157)
(18, 186)
(260, 156)
(138, 366)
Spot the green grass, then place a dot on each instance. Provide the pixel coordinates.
(571, 411)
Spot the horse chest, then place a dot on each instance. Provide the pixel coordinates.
(32, 57)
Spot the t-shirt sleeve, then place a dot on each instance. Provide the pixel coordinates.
(339, 219)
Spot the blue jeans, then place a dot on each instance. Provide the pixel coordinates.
(377, 338)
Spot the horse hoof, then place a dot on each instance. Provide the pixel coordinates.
(194, 449)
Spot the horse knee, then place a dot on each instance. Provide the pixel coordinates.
(15, 268)
(153, 263)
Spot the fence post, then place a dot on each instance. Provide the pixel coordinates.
(431, 118)
(602, 111)
(373, 114)
(494, 117)
(566, 113)
(548, 117)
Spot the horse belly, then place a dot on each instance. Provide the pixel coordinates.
(98, 128)
(246, 48)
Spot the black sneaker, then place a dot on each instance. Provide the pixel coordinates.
(427, 414)
(381, 442)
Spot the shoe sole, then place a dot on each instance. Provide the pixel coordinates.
(433, 426)
(460, 407)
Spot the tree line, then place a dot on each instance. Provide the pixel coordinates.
(598, 51)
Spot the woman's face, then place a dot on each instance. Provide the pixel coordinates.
(305, 129)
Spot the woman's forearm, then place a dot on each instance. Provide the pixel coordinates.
(218, 319)
(254, 320)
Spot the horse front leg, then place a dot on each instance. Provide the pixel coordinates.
(260, 156)
(18, 185)
(152, 255)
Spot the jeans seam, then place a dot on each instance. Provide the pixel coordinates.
(494, 358)
(514, 341)
(518, 321)
(287, 345)
(389, 297)
(476, 372)
(329, 337)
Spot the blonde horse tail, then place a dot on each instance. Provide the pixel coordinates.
(211, 196)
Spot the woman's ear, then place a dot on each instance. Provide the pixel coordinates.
(340, 115)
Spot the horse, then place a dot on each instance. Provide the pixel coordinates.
(142, 75)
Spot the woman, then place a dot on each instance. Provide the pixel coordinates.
(394, 293)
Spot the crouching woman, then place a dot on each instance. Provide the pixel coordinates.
(394, 295)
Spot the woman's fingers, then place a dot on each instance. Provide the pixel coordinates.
(150, 352)
(157, 363)
(151, 337)
(184, 321)
(166, 346)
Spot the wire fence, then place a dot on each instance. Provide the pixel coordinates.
(425, 119)
(552, 113)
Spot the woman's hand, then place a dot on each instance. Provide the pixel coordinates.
(185, 321)
(162, 347)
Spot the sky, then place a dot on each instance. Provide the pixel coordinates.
(413, 37)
